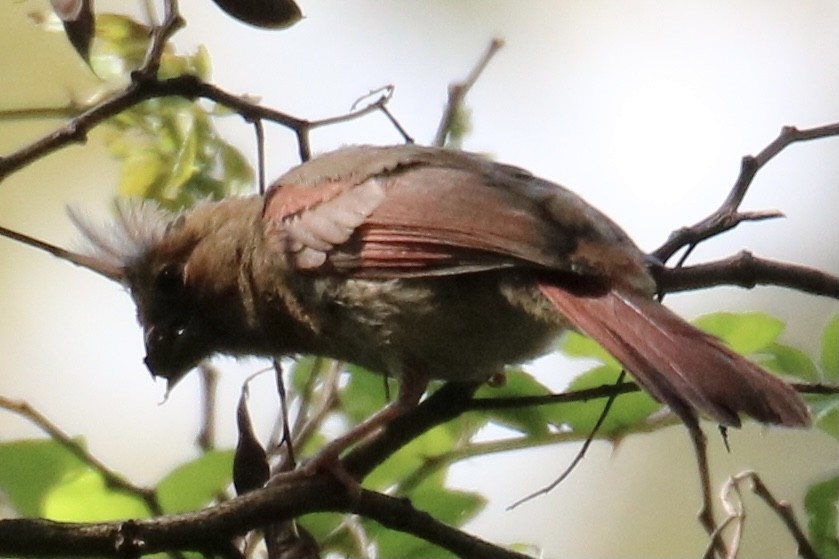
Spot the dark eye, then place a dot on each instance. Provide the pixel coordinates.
(169, 280)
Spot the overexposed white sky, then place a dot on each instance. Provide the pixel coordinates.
(643, 107)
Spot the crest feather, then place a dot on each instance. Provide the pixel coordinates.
(139, 225)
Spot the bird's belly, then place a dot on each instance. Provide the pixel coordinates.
(465, 327)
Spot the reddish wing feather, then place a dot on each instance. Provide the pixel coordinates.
(313, 220)
(438, 220)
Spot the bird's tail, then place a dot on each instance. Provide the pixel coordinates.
(677, 363)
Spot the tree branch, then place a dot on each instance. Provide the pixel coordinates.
(209, 530)
(459, 90)
(172, 22)
(727, 215)
(187, 86)
(399, 514)
(746, 270)
(289, 496)
(737, 513)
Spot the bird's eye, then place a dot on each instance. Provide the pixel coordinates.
(169, 280)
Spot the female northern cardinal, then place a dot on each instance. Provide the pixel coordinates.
(421, 263)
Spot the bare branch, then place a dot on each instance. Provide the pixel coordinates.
(209, 530)
(727, 215)
(784, 510)
(189, 87)
(399, 514)
(459, 90)
(746, 270)
(580, 453)
(172, 22)
(737, 512)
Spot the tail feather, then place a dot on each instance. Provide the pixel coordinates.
(678, 364)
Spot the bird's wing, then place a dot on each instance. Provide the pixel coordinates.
(401, 212)
(413, 211)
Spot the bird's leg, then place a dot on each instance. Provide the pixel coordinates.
(411, 388)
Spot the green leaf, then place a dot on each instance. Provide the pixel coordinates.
(829, 360)
(446, 505)
(140, 174)
(411, 457)
(119, 47)
(827, 415)
(322, 526)
(454, 507)
(29, 469)
(237, 171)
(820, 503)
(791, 361)
(202, 66)
(172, 153)
(183, 165)
(86, 498)
(301, 372)
(364, 394)
(460, 127)
(529, 420)
(574, 344)
(746, 333)
(627, 413)
(194, 484)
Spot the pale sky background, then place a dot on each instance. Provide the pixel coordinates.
(643, 107)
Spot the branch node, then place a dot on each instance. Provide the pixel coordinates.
(128, 542)
(748, 165)
(789, 131)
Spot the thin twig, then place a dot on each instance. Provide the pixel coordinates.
(172, 22)
(284, 416)
(209, 385)
(190, 87)
(580, 454)
(603, 391)
(736, 510)
(305, 396)
(459, 90)
(112, 478)
(40, 113)
(706, 512)
(384, 96)
(583, 395)
(727, 215)
(259, 131)
(784, 511)
(328, 401)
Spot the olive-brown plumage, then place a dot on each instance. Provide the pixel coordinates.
(420, 262)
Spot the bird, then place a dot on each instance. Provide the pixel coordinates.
(419, 263)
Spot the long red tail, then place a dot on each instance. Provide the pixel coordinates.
(680, 365)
